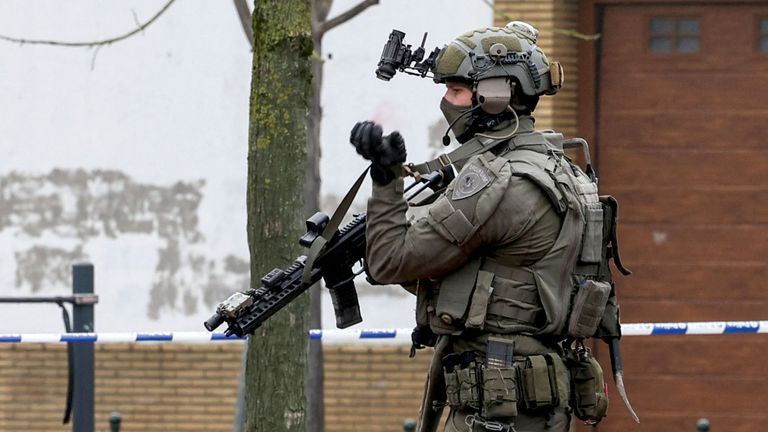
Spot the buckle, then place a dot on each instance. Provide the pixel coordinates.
(489, 425)
(444, 160)
(407, 171)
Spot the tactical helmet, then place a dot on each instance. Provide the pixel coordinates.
(492, 52)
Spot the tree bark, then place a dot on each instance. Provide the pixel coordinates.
(315, 379)
(279, 108)
(315, 384)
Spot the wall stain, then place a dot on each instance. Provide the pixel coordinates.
(41, 266)
(73, 207)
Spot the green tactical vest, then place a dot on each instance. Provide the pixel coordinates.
(565, 293)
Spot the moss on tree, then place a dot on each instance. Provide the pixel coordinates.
(279, 106)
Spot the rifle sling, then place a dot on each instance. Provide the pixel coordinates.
(328, 232)
(463, 152)
(474, 147)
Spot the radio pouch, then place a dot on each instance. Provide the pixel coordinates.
(589, 402)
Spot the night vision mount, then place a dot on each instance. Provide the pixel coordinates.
(397, 56)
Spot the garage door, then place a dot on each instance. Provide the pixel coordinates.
(683, 145)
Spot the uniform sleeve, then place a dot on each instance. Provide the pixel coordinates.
(398, 251)
(447, 238)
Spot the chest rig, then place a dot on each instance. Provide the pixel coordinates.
(565, 293)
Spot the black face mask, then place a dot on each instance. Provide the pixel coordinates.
(459, 118)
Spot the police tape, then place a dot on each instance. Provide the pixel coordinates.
(371, 336)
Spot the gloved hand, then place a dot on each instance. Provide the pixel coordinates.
(386, 152)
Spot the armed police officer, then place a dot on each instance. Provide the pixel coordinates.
(509, 265)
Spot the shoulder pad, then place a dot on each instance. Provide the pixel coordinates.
(471, 198)
(555, 139)
(535, 172)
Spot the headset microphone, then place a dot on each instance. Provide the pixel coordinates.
(446, 138)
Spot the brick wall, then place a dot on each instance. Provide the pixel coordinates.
(156, 387)
(551, 17)
(372, 388)
(171, 387)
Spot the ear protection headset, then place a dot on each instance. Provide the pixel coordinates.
(494, 95)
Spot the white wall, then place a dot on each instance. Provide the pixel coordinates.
(157, 127)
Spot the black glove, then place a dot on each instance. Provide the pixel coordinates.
(386, 153)
(422, 337)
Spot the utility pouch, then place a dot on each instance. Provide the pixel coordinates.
(588, 308)
(461, 381)
(452, 389)
(455, 296)
(499, 392)
(539, 379)
(592, 240)
(610, 325)
(589, 402)
(468, 386)
(479, 304)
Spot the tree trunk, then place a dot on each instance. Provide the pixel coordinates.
(279, 108)
(315, 384)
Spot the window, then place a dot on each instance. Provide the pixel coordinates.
(679, 35)
(762, 34)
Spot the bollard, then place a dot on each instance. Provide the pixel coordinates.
(702, 425)
(114, 421)
(409, 425)
(83, 397)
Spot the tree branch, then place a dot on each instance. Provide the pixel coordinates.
(245, 19)
(90, 44)
(344, 17)
(569, 33)
(320, 9)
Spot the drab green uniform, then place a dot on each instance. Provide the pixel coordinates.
(487, 216)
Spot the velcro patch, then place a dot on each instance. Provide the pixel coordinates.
(472, 179)
(458, 225)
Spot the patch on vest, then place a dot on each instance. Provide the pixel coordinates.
(471, 181)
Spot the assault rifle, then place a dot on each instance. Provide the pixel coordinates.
(245, 311)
